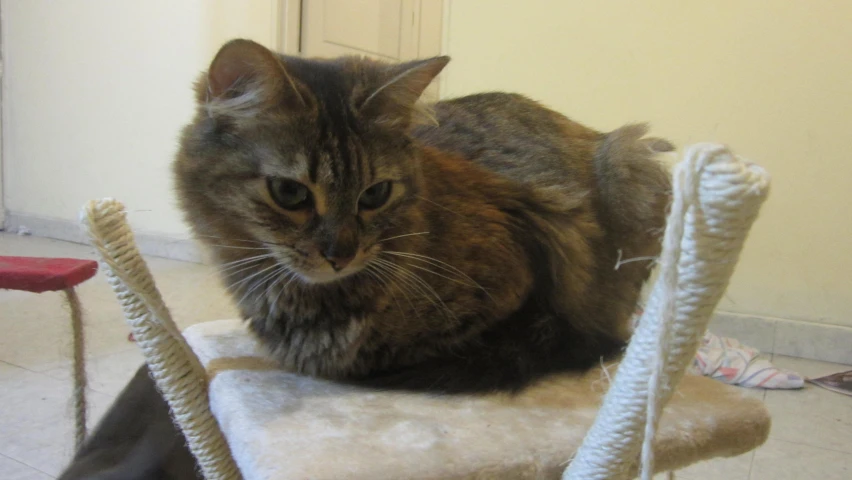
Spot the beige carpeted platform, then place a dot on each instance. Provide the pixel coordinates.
(301, 428)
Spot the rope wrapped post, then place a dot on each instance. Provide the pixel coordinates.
(178, 374)
(717, 197)
(78, 366)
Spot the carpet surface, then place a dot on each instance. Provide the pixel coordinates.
(280, 425)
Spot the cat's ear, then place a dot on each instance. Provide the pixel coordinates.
(394, 101)
(246, 78)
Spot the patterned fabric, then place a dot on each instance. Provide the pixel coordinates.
(729, 361)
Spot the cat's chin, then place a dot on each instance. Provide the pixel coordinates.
(319, 278)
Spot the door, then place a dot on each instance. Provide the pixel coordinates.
(390, 30)
(2, 114)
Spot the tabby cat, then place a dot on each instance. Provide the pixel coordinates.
(467, 247)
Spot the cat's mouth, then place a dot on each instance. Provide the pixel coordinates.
(323, 276)
(324, 272)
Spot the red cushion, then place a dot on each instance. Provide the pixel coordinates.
(35, 274)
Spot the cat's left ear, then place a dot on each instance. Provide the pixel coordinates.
(394, 102)
(245, 78)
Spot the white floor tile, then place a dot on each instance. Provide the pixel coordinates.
(41, 340)
(811, 416)
(107, 373)
(780, 460)
(36, 425)
(809, 368)
(36, 418)
(14, 470)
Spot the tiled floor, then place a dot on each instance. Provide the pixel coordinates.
(811, 435)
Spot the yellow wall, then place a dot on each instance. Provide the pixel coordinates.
(771, 78)
(95, 93)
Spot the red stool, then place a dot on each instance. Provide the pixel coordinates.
(37, 275)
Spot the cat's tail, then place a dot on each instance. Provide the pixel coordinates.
(135, 440)
(634, 185)
(582, 243)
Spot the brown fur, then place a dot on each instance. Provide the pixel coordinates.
(526, 212)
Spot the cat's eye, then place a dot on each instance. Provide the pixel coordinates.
(289, 194)
(375, 196)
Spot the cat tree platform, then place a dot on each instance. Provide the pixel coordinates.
(284, 426)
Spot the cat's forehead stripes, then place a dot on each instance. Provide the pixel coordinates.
(293, 166)
(338, 149)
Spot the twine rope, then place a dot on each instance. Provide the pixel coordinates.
(78, 366)
(176, 370)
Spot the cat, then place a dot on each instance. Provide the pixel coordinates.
(465, 247)
(474, 253)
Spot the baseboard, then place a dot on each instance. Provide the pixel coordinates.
(817, 341)
(156, 245)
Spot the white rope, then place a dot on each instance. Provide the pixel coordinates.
(179, 375)
(716, 199)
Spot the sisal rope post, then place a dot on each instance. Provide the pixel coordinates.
(78, 366)
(717, 197)
(178, 374)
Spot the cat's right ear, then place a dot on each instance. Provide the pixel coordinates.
(245, 78)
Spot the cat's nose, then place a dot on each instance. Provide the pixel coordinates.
(339, 263)
(339, 243)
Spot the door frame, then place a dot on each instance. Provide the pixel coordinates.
(432, 42)
(2, 116)
(289, 26)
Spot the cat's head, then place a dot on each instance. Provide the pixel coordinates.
(308, 162)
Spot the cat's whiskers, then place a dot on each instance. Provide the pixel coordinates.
(276, 269)
(283, 273)
(438, 205)
(243, 260)
(441, 265)
(289, 277)
(196, 236)
(384, 285)
(419, 283)
(424, 283)
(227, 268)
(276, 277)
(230, 266)
(248, 278)
(243, 269)
(402, 280)
(234, 247)
(386, 273)
(440, 275)
(401, 236)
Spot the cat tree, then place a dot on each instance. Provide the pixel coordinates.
(244, 418)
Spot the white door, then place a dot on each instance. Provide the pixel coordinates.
(392, 30)
(2, 207)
